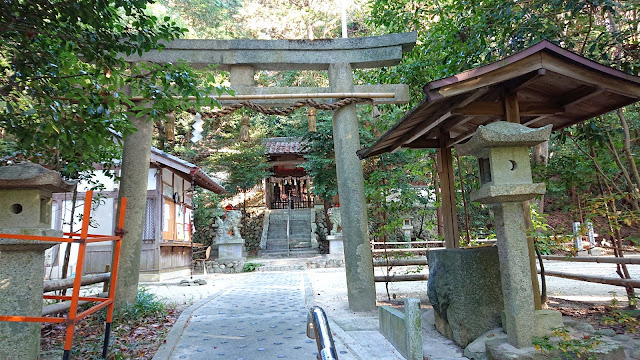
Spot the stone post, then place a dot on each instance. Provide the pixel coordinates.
(357, 251)
(25, 208)
(502, 149)
(133, 185)
(577, 237)
(517, 290)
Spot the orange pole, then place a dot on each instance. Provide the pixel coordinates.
(116, 258)
(77, 282)
(93, 309)
(33, 319)
(114, 276)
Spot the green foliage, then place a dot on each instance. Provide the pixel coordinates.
(260, 19)
(63, 78)
(246, 164)
(206, 208)
(147, 304)
(563, 343)
(320, 159)
(628, 319)
(250, 267)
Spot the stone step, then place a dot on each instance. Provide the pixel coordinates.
(285, 253)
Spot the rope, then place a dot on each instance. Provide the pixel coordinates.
(227, 110)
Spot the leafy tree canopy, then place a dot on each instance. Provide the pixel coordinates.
(65, 88)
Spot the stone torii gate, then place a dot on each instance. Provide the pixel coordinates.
(339, 56)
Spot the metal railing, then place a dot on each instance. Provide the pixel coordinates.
(318, 329)
(297, 204)
(289, 228)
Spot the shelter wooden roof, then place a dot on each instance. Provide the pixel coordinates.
(548, 84)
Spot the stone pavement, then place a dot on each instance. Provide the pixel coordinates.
(260, 316)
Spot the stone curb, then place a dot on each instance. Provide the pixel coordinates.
(171, 341)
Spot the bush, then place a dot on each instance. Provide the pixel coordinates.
(147, 304)
(250, 267)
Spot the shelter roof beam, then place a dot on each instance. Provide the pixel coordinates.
(425, 127)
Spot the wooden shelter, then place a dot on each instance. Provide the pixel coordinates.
(544, 84)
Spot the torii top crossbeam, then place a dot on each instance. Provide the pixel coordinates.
(364, 52)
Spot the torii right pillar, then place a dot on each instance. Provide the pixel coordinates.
(502, 149)
(357, 251)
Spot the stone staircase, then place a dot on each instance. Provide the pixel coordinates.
(274, 242)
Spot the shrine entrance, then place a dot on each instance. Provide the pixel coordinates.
(289, 187)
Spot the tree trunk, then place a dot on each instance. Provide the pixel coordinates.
(541, 157)
(627, 148)
(67, 248)
(133, 185)
(630, 185)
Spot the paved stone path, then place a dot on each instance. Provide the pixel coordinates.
(260, 317)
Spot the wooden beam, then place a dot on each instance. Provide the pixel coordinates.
(401, 277)
(423, 143)
(425, 127)
(571, 98)
(479, 108)
(497, 108)
(511, 108)
(448, 208)
(588, 76)
(524, 81)
(285, 162)
(519, 68)
(467, 135)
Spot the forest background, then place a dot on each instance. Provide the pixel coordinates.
(61, 109)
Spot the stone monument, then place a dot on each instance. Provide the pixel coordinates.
(336, 240)
(228, 239)
(25, 209)
(502, 149)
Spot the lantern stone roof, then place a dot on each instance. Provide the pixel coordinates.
(27, 175)
(548, 85)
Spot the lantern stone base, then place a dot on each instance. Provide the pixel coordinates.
(465, 291)
(21, 284)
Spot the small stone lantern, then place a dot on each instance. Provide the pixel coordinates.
(502, 149)
(407, 229)
(25, 208)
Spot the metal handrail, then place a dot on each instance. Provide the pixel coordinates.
(289, 228)
(318, 329)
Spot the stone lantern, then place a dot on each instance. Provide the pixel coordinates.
(25, 208)
(502, 149)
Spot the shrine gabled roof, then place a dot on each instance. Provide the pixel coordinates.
(553, 86)
(284, 145)
(186, 170)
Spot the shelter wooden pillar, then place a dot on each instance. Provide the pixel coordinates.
(512, 114)
(444, 160)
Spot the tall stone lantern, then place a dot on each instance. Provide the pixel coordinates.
(502, 149)
(25, 208)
